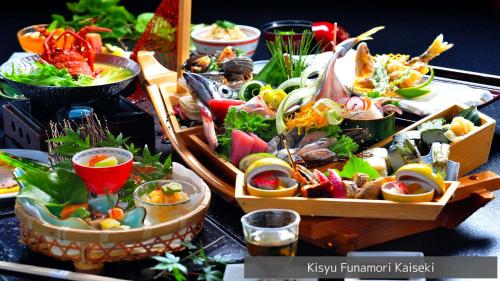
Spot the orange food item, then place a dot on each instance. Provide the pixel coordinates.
(69, 209)
(116, 213)
(158, 196)
(33, 41)
(306, 118)
(97, 158)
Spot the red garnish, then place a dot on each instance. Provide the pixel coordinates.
(266, 180)
(354, 102)
(328, 34)
(403, 188)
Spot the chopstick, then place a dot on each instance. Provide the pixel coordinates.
(52, 272)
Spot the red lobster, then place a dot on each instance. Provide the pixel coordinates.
(75, 53)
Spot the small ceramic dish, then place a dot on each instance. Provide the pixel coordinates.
(388, 194)
(289, 191)
(210, 47)
(100, 180)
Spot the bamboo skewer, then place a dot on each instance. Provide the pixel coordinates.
(52, 272)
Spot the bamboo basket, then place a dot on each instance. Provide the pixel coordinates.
(89, 250)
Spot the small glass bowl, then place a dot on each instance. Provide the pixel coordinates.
(32, 44)
(158, 212)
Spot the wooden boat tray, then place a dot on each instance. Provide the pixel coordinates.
(346, 234)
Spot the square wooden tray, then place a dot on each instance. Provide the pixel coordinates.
(471, 150)
(354, 208)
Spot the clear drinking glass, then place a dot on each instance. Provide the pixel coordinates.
(271, 232)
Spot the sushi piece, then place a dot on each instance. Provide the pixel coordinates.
(433, 131)
(377, 158)
(402, 154)
(408, 135)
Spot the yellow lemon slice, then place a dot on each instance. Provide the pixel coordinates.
(422, 172)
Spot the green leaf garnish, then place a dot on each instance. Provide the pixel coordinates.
(358, 165)
(417, 91)
(58, 188)
(344, 147)
(225, 24)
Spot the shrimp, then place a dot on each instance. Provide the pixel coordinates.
(437, 47)
(364, 61)
(208, 125)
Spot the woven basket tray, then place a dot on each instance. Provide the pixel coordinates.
(90, 249)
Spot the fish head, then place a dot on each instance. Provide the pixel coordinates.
(206, 89)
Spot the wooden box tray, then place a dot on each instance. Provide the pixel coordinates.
(471, 150)
(352, 208)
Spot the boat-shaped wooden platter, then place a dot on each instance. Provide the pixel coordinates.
(341, 234)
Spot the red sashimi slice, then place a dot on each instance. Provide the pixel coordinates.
(219, 107)
(241, 145)
(259, 145)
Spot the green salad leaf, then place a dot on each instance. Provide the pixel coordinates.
(48, 75)
(344, 147)
(358, 165)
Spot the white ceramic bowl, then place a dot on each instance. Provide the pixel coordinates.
(247, 45)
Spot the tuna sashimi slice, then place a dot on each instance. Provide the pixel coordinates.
(241, 145)
(259, 145)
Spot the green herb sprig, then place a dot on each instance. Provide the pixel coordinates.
(282, 67)
(225, 24)
(206, 268)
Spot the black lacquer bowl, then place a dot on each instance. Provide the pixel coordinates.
(53, 96)
(378, 129)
